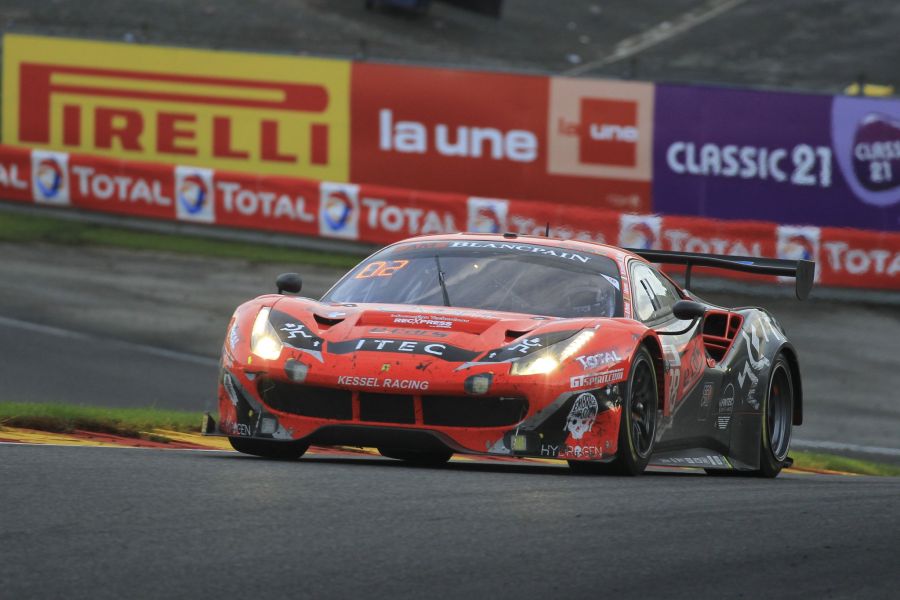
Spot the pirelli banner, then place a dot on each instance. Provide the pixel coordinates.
(263, 114)
(582, 141)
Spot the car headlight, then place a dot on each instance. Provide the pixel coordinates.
(550, 358)
(264, 340)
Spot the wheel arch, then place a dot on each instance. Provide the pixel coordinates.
(790, 354)
(651, 343)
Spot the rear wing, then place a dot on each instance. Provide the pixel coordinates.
(803, 271)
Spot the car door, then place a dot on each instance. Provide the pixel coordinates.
(687, 391)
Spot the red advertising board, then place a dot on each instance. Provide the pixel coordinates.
(493, 134)
(380, 215)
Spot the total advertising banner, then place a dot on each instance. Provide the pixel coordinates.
(587, 142)
(781, 157)
(226, 110)
(380, 215)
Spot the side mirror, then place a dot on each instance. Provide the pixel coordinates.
(687, 310)
(289, 282)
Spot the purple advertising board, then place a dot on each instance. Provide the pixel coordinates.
(789, 158)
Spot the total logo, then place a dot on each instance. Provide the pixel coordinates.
(487, 215)
(50, 177)
(194, 192)
(799, 243)
(639, 231)
(339, 210)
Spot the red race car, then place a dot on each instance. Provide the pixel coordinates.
(513, 345)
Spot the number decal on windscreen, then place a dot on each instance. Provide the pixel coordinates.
(380, 268)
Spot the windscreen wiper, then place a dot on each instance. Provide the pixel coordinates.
(440, 273)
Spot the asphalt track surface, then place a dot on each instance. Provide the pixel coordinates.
(79, 522)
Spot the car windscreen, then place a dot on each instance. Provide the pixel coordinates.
(490, 275)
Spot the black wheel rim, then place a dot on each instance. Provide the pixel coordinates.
(778, 413)
(643, 409)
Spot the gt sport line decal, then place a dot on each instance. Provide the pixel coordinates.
(442, 351)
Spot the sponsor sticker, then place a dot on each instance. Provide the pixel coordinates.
(195, 200)
(582, 416)
(597, 379)
(487, 215)
(640, 231)
(50, 177)
(339, 210)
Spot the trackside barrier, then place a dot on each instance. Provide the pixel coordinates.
(381, 215)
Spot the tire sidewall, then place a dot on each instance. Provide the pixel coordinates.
(769, 465)
(631, 462)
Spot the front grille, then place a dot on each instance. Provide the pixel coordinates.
(307, 401)
(473, 411)
(386, 408)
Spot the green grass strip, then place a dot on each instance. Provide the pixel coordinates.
(21, 228)
(834, 462)
(126, 422)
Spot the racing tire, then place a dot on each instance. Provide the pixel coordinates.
(637, 425)
(431, 458)
(777, 425)
(267, 449)
(777, 421)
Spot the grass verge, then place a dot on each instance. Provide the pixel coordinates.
(21, 228)
(126, 422)
(140, 422)
(834, 462)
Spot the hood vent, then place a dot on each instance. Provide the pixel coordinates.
(325, 323)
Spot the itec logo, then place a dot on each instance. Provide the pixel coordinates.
(487, 215)
(50, 177)
(194, 195)
(600, 128)
(339, 210)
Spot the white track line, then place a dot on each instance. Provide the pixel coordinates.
(77, 335)
(655, 35)
(822, 445)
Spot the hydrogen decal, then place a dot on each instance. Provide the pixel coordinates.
(582, 416)
(726, 407)
(194, 194)
(596, 380)
(50, 177)
(526, 345)
(571, 451)
(559, 253)
(442, 351)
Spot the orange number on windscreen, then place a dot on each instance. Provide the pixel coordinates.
(380, 268)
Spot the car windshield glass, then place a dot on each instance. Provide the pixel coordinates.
(492, 275)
